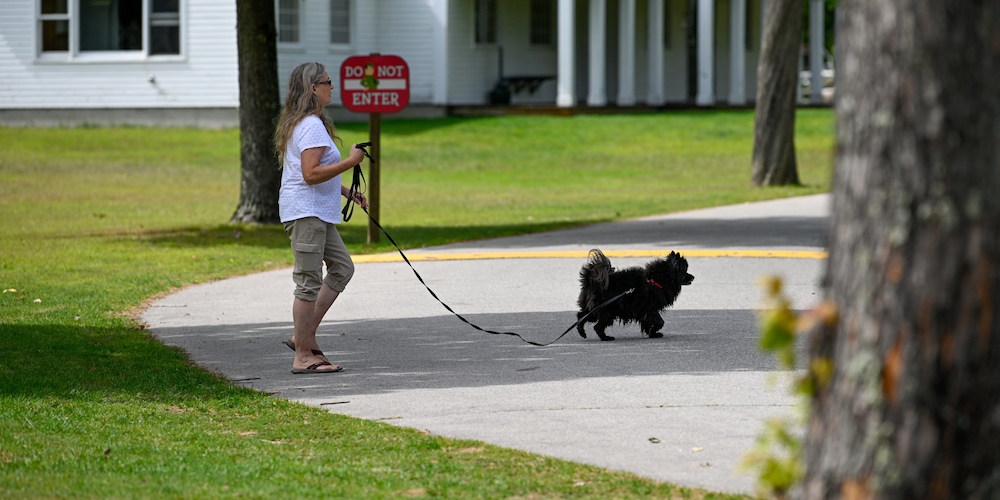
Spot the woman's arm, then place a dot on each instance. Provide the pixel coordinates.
(314, 173)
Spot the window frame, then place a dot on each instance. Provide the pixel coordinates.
(74, 53)
(162, 20)
(549, 22)
(299, 27)
(349, 5)
(489, 38)
(41, 18)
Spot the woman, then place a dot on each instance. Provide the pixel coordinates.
(309, 206)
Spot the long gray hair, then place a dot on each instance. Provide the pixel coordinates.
(299, 103)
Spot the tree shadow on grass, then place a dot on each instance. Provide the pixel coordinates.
(353, 233)
(108, 364)
(404, 127)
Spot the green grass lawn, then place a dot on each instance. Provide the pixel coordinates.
(94, 222)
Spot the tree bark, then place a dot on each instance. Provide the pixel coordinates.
(911, 408)
(777, 81)
(260, 176)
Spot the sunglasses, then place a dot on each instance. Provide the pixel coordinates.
(325, 82)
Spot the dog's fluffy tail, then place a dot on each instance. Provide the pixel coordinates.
(595, 272)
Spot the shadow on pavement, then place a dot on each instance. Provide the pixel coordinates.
(442, 352)
(772, 232)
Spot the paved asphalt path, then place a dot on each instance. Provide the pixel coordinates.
(684, 408)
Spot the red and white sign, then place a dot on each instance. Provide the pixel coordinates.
(374, 84)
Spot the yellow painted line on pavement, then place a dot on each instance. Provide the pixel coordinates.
(582, 254)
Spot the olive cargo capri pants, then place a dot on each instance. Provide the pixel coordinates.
(313, 243)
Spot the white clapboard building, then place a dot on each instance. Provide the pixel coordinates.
(174, 62)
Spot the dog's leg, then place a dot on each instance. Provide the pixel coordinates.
(652, 326)
(579, 324)
(603, 323)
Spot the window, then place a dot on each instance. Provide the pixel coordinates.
(288, 21)
(486, 21)
(667, 29)
(340, 22)
(110, 25)
(55, 25)
(165, 27)
(146, 27)
(543, 22)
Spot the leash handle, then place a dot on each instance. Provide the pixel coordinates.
(362, 146)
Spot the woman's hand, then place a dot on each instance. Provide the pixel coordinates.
(358, 197)
(361, 200)
(357, 155)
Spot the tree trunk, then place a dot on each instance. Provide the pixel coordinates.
(911, 408)
(260, 104)
(777, 81)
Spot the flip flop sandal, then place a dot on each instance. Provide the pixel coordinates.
(291, 345)
(313, 368)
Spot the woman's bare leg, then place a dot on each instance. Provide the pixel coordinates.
(306, 317)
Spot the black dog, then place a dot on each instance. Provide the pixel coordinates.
(654, 288)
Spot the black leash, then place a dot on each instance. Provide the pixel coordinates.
(355, 188)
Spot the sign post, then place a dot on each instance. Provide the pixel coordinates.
(374, 84)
